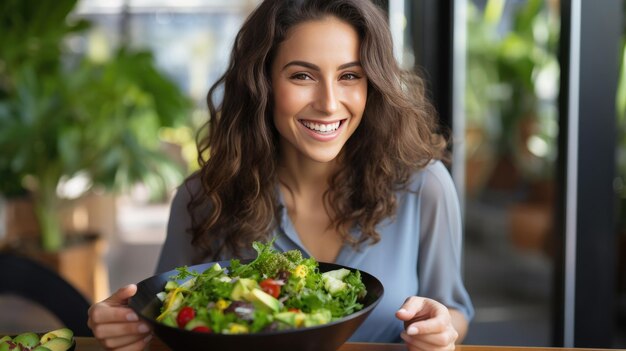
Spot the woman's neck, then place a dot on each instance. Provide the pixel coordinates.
(303, 185)
(305, 176)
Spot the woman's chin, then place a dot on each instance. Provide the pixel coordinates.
(324, 157)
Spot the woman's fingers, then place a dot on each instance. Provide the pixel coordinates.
(433, 325)
(117, 326)
(101, 313)
(421, 315)
(428, 325)
(113, 309)
(410, 308)
(121, 296)
(448, 335)
(124, 341)
(113, 330)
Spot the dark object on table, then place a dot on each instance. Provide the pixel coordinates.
(327, 337)
(26, 278)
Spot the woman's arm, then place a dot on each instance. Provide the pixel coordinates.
(460, 324)
(177, 250)
(440, 255)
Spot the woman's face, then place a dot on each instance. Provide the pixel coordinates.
(319, 88)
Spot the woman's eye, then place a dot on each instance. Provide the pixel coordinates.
(350, 76)
(301, 76)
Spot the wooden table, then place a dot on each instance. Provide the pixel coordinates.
(91, 344)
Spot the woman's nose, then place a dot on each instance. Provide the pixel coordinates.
(326, 99)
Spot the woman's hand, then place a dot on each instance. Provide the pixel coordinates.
(115, 325)
(427, 325)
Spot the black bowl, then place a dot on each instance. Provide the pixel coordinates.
(327, 337)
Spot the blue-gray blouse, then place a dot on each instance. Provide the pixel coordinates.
(419, 252)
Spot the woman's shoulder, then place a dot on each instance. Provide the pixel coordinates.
(189, 186)
(434, 175)
(431, 185)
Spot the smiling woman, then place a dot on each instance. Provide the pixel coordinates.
(320, 90)
(323, 144)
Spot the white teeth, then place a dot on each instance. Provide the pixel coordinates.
(322, 128)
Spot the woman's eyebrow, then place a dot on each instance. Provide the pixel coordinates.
(349, 64)
(316, 67)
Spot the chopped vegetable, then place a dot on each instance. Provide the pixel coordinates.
(185, 315)
(202, 329)
(301, 271)
(271, 287)
(275, 291)
(333, 285)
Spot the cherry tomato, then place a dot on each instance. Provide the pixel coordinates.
(271, 287)
(184, 316)
(293, 309)
(202, 329)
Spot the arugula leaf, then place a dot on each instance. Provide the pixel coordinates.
(261, 320)
(184, 273)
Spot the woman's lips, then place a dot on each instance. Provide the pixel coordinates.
(322, 131)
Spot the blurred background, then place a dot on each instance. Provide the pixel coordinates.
(100, 101)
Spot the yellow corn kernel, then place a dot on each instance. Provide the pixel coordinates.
(299, 319)
(301, 271)
(221, 304)
(235, 328)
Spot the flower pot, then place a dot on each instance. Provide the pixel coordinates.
(530, 225)
(81, 259)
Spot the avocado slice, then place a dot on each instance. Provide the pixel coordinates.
(8, 344)
(41, 348)
(318, 317)
(47, 337)
(5, 338)
(58, 344)
(337, 273)
(332, 284)
(261, 299)
(214, 268)
(65, 333)
(171, 285)
(28, 340)
(188, 284)
(294, 319)
(242, 289)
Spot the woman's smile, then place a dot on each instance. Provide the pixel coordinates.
(322, 131)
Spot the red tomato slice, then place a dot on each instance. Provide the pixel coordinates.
(271, 287)
(185, 315)
(202, 329)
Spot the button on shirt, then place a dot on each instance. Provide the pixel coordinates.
(418, 254)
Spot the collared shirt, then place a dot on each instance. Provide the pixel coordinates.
(419, 252)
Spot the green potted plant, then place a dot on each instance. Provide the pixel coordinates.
(63, 115)
(511, 83)
(510, 103)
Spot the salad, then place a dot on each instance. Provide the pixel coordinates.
(276, 291)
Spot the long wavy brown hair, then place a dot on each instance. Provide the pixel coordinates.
(237, 201)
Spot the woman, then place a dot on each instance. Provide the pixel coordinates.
(324, 143)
